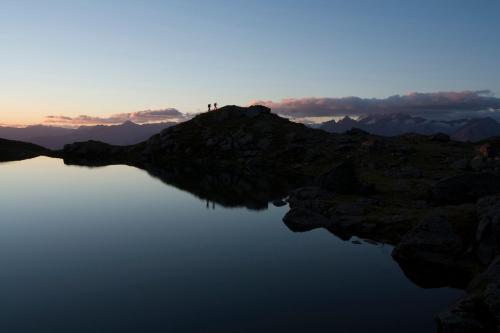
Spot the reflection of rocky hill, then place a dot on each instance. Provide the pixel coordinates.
(15, 150)
(225, 188)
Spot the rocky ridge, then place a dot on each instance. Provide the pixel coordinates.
(16, 150)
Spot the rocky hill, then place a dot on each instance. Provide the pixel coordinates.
(249, 140)
(15, 150)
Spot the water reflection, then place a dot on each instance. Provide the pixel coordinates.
(231, 189)
(226, 188)
(112, 250)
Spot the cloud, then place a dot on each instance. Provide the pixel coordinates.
(139, 117)
(438, 104)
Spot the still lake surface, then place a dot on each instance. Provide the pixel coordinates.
(112, 249)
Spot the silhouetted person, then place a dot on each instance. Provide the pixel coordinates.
(215, 106)
(209, 107)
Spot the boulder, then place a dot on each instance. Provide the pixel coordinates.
(432, 240)
(491, 297)
(279, 203)
(478, 163)
(464, 188)
(301, 219)
(479, 309)
(465, 316)
(460, 165)
(488, 231)
(340, 179)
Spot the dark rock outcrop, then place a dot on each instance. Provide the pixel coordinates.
(464, 188)
(340, 179)
(16, 150)
(301, 219)
(466, 315)
(479, 309)
(488, 231)
(433, 240)
(95, 153)
(441, 237)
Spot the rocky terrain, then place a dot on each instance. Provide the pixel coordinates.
(436, 200)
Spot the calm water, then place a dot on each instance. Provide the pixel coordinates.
(113, 250)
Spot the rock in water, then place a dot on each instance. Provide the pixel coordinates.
(300, 219)
(432, 240)
(279, 203)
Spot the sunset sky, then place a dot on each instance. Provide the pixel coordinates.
(102, 58)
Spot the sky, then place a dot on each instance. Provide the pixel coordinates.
(99, 59)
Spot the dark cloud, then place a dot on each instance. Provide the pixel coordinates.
(139, 117)
(439, 104)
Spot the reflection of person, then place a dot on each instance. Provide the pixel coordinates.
(208, 204)
(209, 107)
(215, 106)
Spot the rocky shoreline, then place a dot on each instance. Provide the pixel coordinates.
(447, 235)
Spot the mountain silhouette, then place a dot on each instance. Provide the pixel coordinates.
(16, 150)
(56, 137)
(473, 130)
(477, 129)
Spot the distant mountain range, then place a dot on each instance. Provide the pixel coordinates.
(130, 133)
(56, 137)
(394, 124)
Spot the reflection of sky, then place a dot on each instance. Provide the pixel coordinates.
(104, 57)
(111, 249)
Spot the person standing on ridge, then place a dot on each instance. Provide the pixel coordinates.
(209, 107)
(215, 106)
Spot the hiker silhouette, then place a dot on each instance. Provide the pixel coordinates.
(215, 106)
(209, 107)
